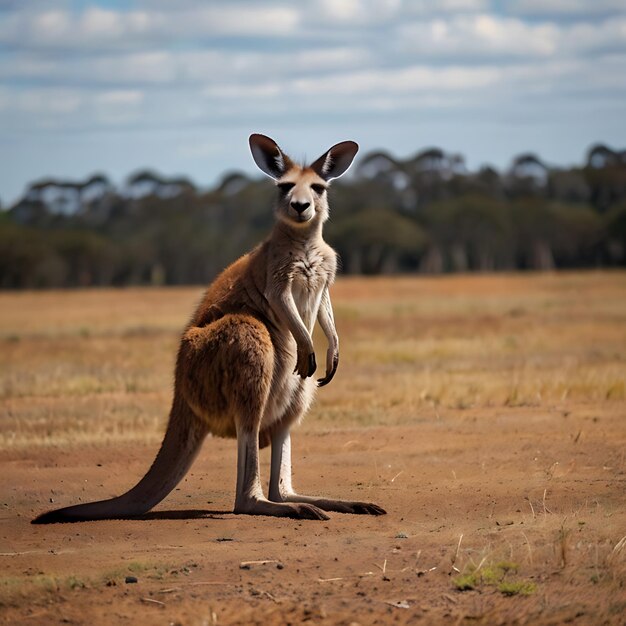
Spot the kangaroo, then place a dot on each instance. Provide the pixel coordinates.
(246, 359)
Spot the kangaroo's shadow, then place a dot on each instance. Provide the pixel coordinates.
(179, 514)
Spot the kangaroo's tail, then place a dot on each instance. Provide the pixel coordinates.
(181, 444)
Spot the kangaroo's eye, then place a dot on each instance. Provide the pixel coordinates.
(285, 187)
(318, 189)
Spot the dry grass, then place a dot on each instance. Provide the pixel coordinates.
(96, 366)
(504, 475)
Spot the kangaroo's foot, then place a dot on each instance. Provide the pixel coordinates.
(297, 510)
(282, 491)
(249, 498)
(339, 506)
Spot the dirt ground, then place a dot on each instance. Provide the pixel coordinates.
(543, 490)
(504, 479)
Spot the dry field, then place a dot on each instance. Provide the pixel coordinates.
(485, 413)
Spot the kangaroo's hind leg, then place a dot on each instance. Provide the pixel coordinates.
(237, 356)
(250, 499)
(281, 489)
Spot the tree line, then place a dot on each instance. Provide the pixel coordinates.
(427, 213)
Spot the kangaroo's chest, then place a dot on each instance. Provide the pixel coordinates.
(309, 278)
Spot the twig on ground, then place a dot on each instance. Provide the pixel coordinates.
(249, 564)
(456, 554)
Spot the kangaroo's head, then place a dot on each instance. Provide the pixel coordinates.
(302, 189)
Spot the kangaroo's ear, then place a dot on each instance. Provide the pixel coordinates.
(268, 156)
(336, 161)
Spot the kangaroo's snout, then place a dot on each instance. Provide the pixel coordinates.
(300, 207)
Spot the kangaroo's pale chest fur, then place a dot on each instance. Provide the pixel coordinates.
(310, 275)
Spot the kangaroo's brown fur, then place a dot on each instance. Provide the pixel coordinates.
(246, 359)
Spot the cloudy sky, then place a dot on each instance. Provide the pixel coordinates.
(178, 85)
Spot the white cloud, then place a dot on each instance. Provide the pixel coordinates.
(494, 37)
(50, 24)
(483, 35)
(188, 66)
(196, 150)
(160, 22)
(570, 79)
(117, 107)
(232, 20)
(404, 80)
(566, 7)
(119, 98)
(368, 86)
(354, 12)
(106, 24)
(340, 14)
(40, 108)
(48, 102)
(254, 91)
(355, 91)
(163, 67)
(96, 28)
(53, 108)
(5, 98)
(581, 37)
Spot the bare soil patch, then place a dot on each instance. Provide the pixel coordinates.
(542, 491)
(486, 414)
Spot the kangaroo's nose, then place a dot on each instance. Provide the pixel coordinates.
(300, 206)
